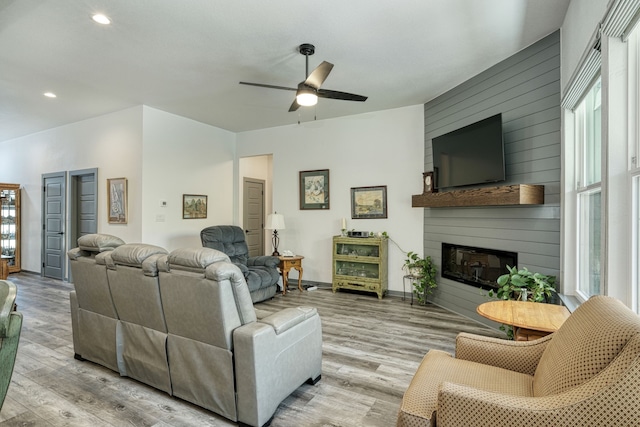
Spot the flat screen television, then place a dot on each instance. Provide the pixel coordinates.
(470, 155)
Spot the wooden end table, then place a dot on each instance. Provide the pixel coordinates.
(530, 320)
(286, 264)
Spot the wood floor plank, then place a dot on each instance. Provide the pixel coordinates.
(371, 349)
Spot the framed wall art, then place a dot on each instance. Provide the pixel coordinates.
(117, 200)
(314, 189)
(194, 206)
(369, 202)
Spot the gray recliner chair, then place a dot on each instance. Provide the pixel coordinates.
(141, 333)
(93, 314)
(260, 272)
(221, 356)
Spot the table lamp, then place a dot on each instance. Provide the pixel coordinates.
(275, 222)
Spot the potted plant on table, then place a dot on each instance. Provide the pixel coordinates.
(522, 284)
(424, 272)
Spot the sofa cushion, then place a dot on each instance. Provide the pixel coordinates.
(420, 399)
(578, 350)
(99, 242)
(224, 271)
(195, 258)
(134, 254)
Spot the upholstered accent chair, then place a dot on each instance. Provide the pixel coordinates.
(585, 374)
(10, 327)
(93, 315)
(260, 272)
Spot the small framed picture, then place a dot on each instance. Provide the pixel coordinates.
(369, 202)
(117, 200)
(429, 181)
(314, 189)
(194, 206)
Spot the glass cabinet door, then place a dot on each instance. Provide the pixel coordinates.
(9, 226)
(357, 250)
(357, 269)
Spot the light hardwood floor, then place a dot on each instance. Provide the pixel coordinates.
(371, 348)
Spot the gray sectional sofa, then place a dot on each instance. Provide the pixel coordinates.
(184, 322)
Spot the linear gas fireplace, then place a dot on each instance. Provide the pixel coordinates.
(476, 266)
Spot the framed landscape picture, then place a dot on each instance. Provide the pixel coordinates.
(194, 206)
(369, 202)
(117, 200)
(314, 189)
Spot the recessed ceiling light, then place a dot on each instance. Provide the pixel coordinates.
(49, 94)
(101, 19)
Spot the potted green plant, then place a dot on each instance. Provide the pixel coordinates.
(424, 272)
(522, 284)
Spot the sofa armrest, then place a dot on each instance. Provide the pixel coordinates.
(518, 356)
(264, 260)
(270, 365)
(285, 319)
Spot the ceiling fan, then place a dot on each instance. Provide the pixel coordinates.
(308, 91)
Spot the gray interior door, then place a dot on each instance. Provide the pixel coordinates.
(253, 215)
(84, 204)
(53, 218)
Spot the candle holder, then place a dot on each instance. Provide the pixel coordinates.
(344, 232)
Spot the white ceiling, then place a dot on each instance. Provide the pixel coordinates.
(187, 56)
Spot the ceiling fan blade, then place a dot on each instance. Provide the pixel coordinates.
(333, 94)
(294, 105)
(269, 86)
(318, 76)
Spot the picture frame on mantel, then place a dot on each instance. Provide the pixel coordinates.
(117, 200)
(314, 189)
(369, 202)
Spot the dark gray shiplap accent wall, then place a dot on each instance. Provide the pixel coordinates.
(525, 88)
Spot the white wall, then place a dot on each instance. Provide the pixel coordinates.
(111, 143)
(163, 156)
(182, 156)
(381, 148)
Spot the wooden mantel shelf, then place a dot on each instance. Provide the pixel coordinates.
(507, 195)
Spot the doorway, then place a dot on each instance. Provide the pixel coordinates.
(253, 215)
(84, 204)
(53, 220)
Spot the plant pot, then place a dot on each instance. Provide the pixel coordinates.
(415, 271)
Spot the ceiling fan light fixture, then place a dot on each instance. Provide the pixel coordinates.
(307, 99)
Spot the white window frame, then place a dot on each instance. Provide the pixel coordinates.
(581, 161)
(633, 129)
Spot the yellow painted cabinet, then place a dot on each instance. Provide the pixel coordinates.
(360, 264)
(10, 227)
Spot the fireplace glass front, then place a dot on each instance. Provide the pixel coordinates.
(476, 266)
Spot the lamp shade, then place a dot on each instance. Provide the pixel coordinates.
(275, 221)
